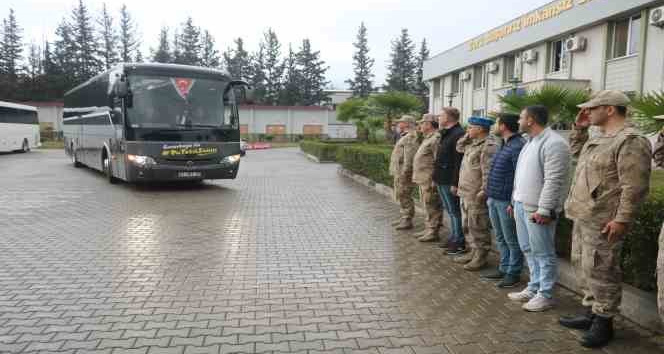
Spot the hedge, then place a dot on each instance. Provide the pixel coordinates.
(369, 161)
(325, 152)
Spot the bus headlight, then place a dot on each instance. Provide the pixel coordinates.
(141, 160)
(231, 159)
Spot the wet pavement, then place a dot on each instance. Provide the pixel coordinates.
(288, 258)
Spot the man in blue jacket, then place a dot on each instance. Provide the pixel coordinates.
(499, 191)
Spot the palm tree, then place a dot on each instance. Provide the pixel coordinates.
(561, 102)
(644, 110)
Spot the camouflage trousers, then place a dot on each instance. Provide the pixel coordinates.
(475, 219)
(660, 274)
(403, 190)
(576, 257)
(602, 272)
(432, 206)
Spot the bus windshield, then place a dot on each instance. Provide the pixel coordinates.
(177, 103)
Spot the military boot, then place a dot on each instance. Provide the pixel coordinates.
(465, 258)
(405, 224)
(582, 321)
(429, 236)
(478, 261)
(599, 334)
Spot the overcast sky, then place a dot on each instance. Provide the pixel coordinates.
(330, 25)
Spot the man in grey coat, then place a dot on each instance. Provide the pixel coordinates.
(540, 185)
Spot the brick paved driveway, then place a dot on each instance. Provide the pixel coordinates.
(289, 257)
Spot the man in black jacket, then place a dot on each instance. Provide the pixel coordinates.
(446, 176)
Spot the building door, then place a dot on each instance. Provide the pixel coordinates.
(312, 129)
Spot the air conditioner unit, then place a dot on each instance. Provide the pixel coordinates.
(575, 44)
(492, 67)
(529, 56)
(657, 17)
(465, 76)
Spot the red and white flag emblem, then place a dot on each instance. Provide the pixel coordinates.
(183, 85)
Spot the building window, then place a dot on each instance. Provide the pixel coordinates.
(509, 68)
(455, 83)
(557, 60)
(478, 113)
(479, 77)
(625, 37)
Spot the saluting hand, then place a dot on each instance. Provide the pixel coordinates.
(583, 119)
(614, 231)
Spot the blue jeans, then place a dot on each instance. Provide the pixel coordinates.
(538, 245)
(452, 205)
(511, 257)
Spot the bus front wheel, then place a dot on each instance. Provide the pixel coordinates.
(108, 169)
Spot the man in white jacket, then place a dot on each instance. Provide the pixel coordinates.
(540, 186)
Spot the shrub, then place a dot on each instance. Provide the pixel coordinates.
(325, 152)
(639, 258)
(369, 161)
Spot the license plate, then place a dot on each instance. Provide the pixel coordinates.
(189, 174)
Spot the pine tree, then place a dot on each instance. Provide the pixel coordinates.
(128, 35)
(48, 64)
(291, 94)
(177, 48)
(190, 42)
(362, 84)
(87, 63)
(139, 56)
(109, 39)
(401, 71)
(163, 52)
(11, 48)
(65, 50)
(237, 61)
(273, 68)
(313, 75)
(34, 63)
(209, 54)
(257, 73)
(63, 73)
(421, 88)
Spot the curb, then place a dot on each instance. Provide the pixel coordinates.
(637, 305)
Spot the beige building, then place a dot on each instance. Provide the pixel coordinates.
(585, 44)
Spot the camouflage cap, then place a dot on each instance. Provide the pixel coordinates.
(406, 119)
(428, 117)
(607, 98)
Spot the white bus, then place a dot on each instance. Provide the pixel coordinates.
(19, 127)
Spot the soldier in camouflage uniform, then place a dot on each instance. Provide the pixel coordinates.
(658, 156)
(478, 147)
(612, 178)
(423, 175)
(401, 168)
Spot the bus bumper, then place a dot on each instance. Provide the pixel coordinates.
(166, 173)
